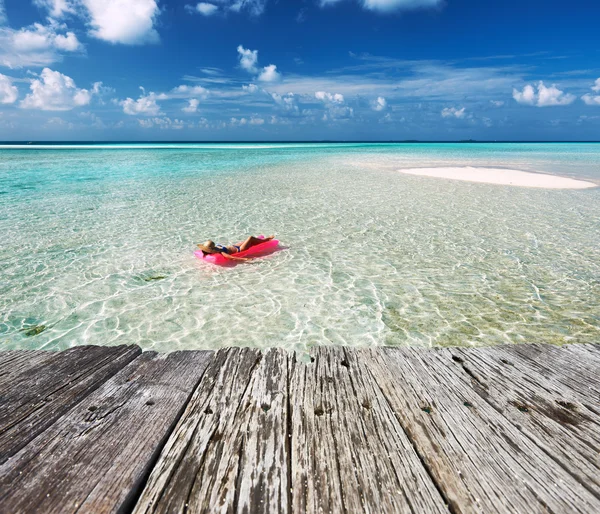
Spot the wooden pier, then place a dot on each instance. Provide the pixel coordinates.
(502, 429)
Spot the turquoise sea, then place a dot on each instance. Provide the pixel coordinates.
(97, 246)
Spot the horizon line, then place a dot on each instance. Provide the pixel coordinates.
(314, 141)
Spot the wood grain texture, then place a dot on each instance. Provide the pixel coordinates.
(567, 365)
(478, 457)
(96, 457)
(550, 414)
(37, 397)
(512, 428)
(348, 451)
(228, 452)
(15, 362)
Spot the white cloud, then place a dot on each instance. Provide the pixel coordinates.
(56, 8)
(397, 5)
(203, 8)
(287, 101)
(192, 106)
(334, 108)
(269, 74)
(248, 58)
(545, 96)
(54, 91)
(250, 88)
(36, 45)
(238, 122)
(388, 5)
(8, 92)
(98, 88)
(449, 112)
(162, 123)
(380, 104)
(185, 91)
(590, 99)
(548, 96)
(130, 22)
(145, 105)
(256, 121)
(249, 61)
(253, 7)
(527, 96)
(328, 97)
(2, 13)
(497, 103)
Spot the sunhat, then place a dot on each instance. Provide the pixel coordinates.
(207, 247)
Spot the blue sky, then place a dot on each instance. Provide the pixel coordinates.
(299, 70)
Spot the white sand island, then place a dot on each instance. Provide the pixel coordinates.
(501, 176)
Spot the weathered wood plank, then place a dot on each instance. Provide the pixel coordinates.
(561, 364)
(551, 415)
(38, 397)
(348, 451)
(228, 452)
(589, 352)
(96, 457)
(480, 460)
(15, 362)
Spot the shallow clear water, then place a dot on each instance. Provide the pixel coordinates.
(97, 247)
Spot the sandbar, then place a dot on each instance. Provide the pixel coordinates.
(501, 176)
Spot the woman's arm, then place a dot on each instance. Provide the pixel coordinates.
(232, 258)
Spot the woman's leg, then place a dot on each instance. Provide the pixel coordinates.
(253, 241)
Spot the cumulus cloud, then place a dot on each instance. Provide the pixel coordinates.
(334, 108)
(203, 8)
(544, 97)
(329, 97)
(384, 6)
(256, 121)
(338, 112)
(287, 102)
(8, 92)
(54, 91)
(497, 103)
(269, 74)
(56, 8)
(99, 89)
(253, 7)
(449, 112)
(250, 88)
(590, 99)
(185, 91)
(36, 45)
(145, 105)
(249, 62)
(380, 104)
(162, 123)
(192, 106)
(129, 22)
(248, 59)
(527, 96)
